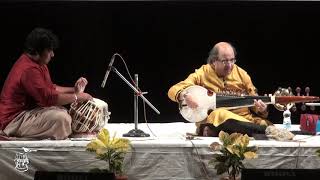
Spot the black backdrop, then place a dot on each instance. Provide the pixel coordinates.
(164, 41)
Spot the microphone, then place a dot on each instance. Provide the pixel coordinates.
(108, 71)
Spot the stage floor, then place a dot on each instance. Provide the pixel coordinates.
(166, 154)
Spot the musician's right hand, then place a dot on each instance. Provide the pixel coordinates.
(84, 96)
(80, 85)
(190, 101)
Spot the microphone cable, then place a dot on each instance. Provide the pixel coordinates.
(144, 107)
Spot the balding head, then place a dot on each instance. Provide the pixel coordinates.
(222, 58)
(218, 49)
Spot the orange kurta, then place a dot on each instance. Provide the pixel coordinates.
(237, 80)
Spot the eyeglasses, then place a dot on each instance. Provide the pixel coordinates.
(227, 61)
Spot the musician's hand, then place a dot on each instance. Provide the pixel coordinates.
(80, 85)
(190, 101)
(260, 105)
(84, 97)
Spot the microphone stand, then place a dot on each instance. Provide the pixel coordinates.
(135, 132)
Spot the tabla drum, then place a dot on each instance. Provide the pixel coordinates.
(89, 116)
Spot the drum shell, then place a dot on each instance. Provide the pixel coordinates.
(88, 116)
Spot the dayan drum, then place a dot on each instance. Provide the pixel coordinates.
(89, 116)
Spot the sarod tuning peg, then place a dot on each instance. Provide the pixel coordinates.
(298, 91)
(303, 107)
(312, 108)
(307, 91)
(294, 108)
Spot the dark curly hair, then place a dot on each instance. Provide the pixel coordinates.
(40, 39)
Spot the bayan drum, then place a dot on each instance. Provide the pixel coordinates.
(89, 116)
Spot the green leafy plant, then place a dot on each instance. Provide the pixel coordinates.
(318, 152)
(110, 149)
(233, 150)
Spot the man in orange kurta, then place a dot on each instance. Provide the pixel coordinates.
(219, 74)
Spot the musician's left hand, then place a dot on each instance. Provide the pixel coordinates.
(260, 105)
(80, 85)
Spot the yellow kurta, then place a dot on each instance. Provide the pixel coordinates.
(237, 80)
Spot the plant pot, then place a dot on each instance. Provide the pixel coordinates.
(121, 177)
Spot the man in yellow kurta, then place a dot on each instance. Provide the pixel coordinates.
(219, 74)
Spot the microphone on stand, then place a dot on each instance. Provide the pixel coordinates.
(135, 132)
(108, 71)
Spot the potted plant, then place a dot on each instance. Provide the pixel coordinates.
(318, 152)
(233, 150)
(112, 150)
